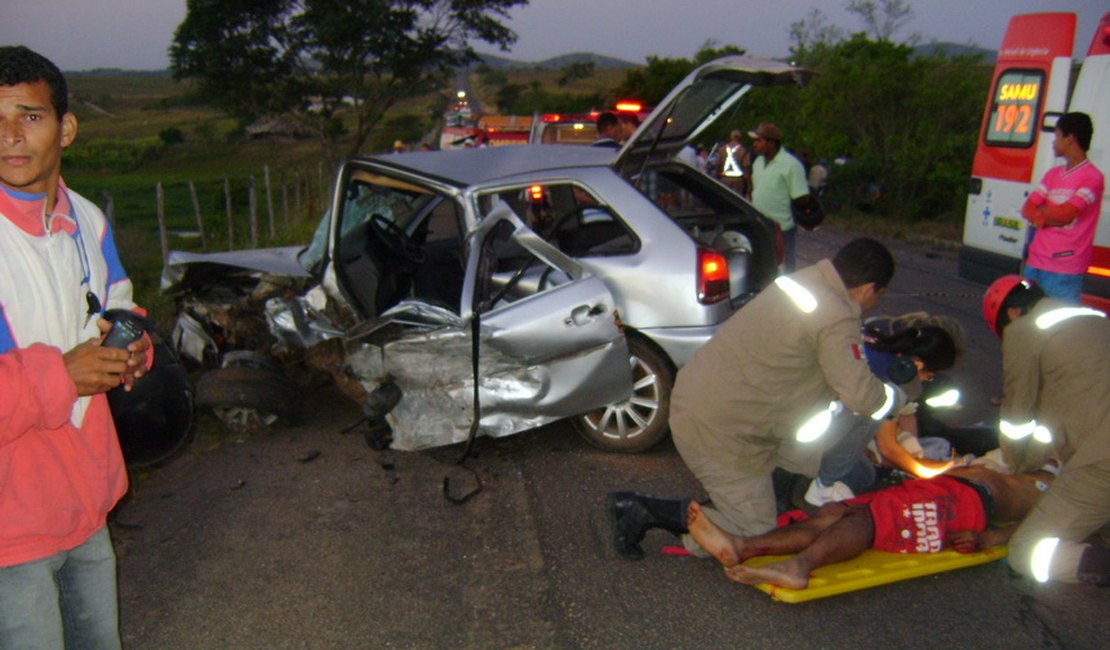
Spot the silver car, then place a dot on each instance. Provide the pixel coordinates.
(490, 291)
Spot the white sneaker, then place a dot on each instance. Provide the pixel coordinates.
(818, 494)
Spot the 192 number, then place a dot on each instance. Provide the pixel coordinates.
(1012, 117)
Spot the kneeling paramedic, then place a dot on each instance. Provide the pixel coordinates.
(762, 392)
(1056, 404)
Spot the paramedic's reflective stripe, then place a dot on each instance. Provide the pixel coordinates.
(888, 406)
(1013, 431)
(732, 166)
(1056, 316)
(950, 397)
(1042, 558)
(816, 426)
(797, 293)
(1017, 431)
(805, 301)
(1042, 434)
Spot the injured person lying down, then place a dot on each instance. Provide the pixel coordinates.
(917, 516)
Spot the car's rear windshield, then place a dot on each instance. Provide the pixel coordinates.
(682, 195)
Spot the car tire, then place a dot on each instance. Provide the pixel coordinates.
(247, 398)
(639, 422)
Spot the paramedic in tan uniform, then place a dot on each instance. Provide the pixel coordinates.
(763, 390)
(1056, 403)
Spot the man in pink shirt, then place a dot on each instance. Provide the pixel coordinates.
(61, 469)
(1064, 208)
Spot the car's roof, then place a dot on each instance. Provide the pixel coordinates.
(463, 167)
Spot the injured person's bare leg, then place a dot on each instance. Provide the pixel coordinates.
(724, 546)
(790, 573)
(732, 549)
(847, 538)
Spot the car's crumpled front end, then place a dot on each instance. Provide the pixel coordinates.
(428, 350)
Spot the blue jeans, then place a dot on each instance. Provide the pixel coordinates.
(67, 600)
(789, 248)
(844, 460)
(1061, 286)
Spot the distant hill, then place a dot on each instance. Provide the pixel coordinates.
(555, 63)
(117, 72)
(954, 49)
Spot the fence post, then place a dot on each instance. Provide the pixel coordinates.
(200, 219)
(253, 203)
(297, 205)
(269, 201)
(162, 222)
(308, 207)
(227, 204)
(284, 202)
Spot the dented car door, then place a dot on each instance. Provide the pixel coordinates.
(549, 344)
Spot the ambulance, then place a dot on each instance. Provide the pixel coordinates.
(1030, 89)
(577, 128)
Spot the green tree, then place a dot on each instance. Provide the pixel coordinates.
(508, 95)
(813, 32)
(319, 60)
(881, 17)
(491, 76)
(574, 71)
(652, 83)
(406, 127)
(909, 122)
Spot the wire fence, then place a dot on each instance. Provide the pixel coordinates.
(267, 208)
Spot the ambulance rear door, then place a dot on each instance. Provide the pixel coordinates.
(1092, 96)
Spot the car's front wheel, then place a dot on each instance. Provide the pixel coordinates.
(639, 422)
(246, 398)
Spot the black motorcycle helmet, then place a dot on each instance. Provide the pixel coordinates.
(154, 420)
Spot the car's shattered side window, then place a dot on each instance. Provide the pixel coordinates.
(508, 272)
(396, 204)
(569, 217)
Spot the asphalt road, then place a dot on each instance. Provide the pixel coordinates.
(307, 538)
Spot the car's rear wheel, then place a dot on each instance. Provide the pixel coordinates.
(639, 422)
(246, 398)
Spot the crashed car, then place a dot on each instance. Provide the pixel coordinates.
(490, 291)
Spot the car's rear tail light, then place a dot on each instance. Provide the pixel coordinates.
(535, 192)
(712, 277)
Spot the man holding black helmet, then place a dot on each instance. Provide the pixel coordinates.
(61, 470)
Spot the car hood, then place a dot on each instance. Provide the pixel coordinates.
(696, 102)
(275, 261)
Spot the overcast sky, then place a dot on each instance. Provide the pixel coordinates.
(135, 34)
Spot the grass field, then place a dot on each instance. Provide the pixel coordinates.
(119, 153)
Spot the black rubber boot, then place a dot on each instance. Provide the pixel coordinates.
(1094, 566)
(632, 515)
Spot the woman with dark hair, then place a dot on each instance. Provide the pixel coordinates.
(896, 349)
(931, 348)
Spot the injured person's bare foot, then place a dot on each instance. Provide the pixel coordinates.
(788, 573)
(718, 543)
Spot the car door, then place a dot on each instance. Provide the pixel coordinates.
(549, 344)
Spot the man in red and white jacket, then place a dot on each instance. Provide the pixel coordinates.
(61, 469)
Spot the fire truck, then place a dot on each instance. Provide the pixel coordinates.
(577, 128)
